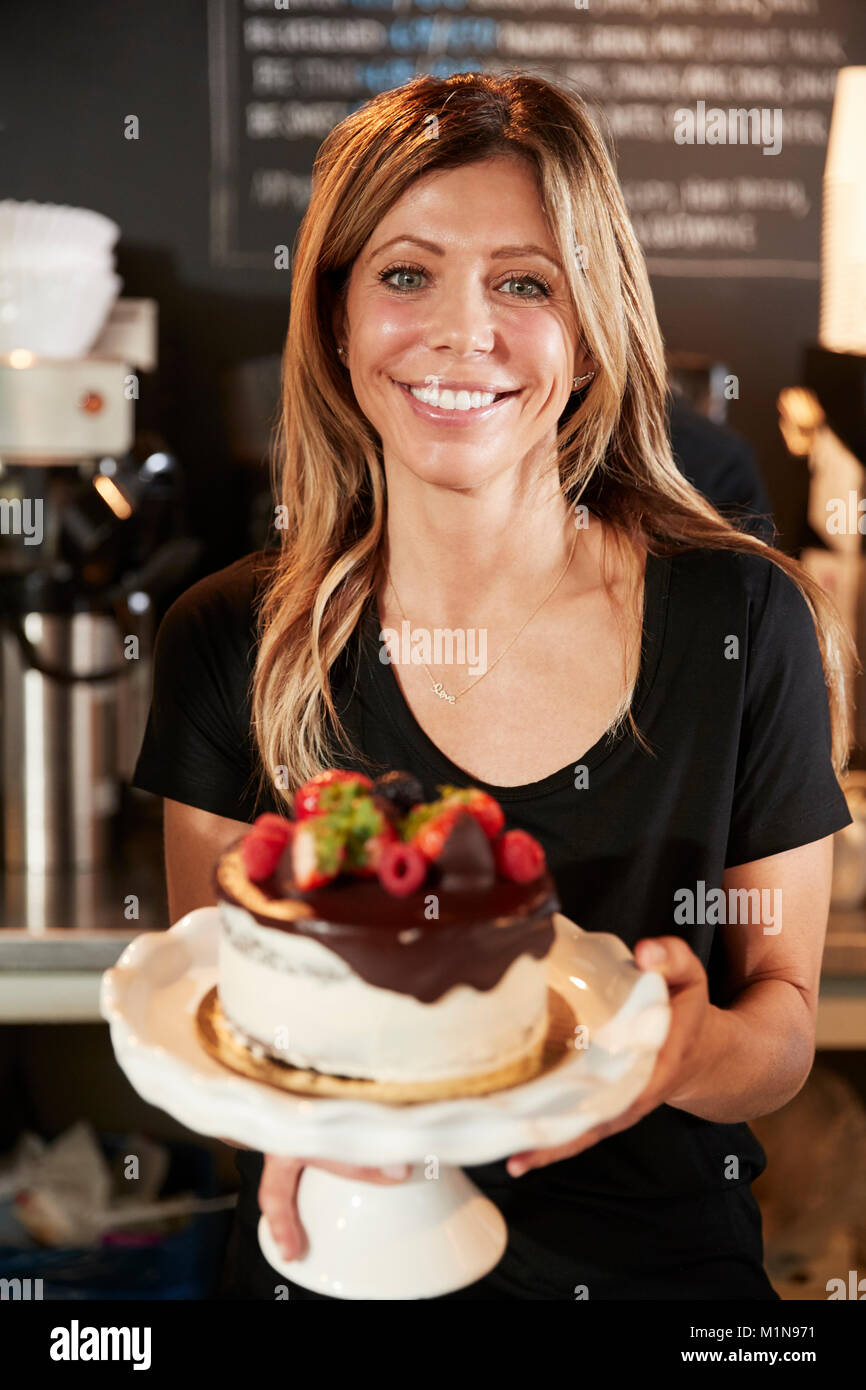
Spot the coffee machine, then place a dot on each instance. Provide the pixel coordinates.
(85, 544)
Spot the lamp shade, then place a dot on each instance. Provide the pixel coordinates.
(843, 232)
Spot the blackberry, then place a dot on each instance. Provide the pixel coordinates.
(401, 789)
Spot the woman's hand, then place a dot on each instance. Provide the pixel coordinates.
(278, 1194)
(687, 1051)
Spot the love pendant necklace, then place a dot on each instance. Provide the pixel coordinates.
(437, 687)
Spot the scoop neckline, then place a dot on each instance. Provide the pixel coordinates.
(443, 770)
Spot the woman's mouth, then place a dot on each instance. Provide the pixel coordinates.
(453, 404)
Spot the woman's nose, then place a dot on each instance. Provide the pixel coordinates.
(461, 317)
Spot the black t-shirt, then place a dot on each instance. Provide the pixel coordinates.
(740, 770)
(722, 465)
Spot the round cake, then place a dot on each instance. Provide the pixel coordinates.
(380, 937)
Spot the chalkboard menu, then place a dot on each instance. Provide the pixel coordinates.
(718, 110)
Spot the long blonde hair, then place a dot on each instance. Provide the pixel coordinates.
(612, 444)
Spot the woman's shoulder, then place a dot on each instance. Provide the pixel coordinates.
(748, 595)
(226, 596)
(212, 625)
(753, 578)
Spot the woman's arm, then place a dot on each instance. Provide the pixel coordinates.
(759, 1049)
(194, 840)
(751, 1056)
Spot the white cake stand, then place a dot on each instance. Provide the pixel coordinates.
(436, 1232)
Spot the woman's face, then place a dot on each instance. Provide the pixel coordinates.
(458, 295)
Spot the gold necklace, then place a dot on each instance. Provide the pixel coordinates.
(437, 686)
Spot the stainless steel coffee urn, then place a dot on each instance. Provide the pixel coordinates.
(77, 574)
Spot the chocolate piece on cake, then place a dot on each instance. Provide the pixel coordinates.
(466, 862)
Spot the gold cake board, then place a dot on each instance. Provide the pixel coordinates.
(544, 1055)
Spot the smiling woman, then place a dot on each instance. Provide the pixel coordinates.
(497, 257)
(473, 438)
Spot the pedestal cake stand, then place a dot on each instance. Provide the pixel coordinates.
(436, 1232)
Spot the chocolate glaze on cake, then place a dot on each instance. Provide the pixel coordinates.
(389, 942)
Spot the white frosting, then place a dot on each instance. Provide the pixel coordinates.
(303, 1003)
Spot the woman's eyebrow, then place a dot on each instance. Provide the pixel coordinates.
(428, 245)
(501, 253)
(530, 250)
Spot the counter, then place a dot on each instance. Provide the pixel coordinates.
(60, 931)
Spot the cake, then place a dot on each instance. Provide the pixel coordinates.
(374, 936)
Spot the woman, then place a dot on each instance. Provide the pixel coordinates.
(653, 708)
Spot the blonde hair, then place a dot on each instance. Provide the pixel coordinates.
(613, 446)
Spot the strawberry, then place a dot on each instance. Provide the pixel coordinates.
(260, 853)
(519, 856)
(328, 791)
(368, 830)
(481, 805)
(402, 869)
(428, 827)
(367, 867)
(275, 828)
(318, 852)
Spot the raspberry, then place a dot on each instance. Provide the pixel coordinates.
(519, 856)
(402, 869)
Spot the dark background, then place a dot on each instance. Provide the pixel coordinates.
(72, 73)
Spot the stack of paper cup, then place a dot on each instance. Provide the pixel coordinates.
(57, 280)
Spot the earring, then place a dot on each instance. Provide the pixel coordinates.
(579, 380)
(341, 352)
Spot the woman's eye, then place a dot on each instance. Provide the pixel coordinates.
(398, 273)
(532, 287)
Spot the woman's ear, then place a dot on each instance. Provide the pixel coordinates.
(338, 321)
(584, 361)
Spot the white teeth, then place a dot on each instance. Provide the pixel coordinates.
(452, 400)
